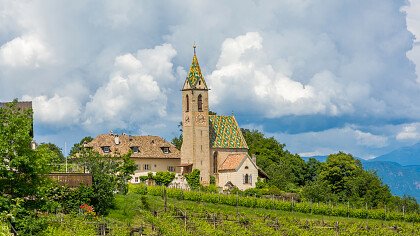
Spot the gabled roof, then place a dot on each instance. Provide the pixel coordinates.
(225, 132)
(195, 80)
(232, 162)
(148, 146)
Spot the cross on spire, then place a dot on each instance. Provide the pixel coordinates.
(194, 46)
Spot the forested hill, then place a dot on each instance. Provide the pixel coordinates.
(339, 178)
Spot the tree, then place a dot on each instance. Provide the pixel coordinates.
(164, 178)
(78, 147)
(193, 179)
(21, 169)
(286, 171)
(177, 141)
(109, 175)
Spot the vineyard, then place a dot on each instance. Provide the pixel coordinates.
(180, 217)
(162, 211)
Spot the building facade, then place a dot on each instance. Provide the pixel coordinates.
(150, 153)
(213, 144)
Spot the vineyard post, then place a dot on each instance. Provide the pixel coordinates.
(348, 209)
(237, 201)
(165, 198)
(403, 211)
(385, 211)
(292, 203)
(311, 206)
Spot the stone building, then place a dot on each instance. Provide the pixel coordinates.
(214, 144)
(150, 153)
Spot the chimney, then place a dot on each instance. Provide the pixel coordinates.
(117, 139)
(254, 159)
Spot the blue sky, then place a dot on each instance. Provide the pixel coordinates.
(320, 76)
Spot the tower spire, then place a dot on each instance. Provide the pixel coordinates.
(195, 80)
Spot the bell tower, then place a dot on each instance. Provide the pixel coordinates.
(195, 150)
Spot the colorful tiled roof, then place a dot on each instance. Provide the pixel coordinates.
(194, 75)
(225, 132)
(232, 162)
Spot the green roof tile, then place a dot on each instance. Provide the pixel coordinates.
(225, 133)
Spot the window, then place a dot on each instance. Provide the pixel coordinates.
(106, 149)
(146, 167)
(200, 103)
(215, 162)
(246, 167)
(165, 150)
(136, 179)
(247, 179)
(188, 103)
(171, 168)
(135, 149)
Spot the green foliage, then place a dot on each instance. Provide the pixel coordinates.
(124, 171)
(21, 168)
(212, 179)
(164, 178)
(177, 141)
(105, 181)
(78, 147)
(343, 176)
(267, 203)
(286, 171)
(193, 179)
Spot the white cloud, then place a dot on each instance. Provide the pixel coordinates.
(243, 77)
(413, 24)
(134, 95)
(56, 111)
(370, 140)
(27, 50)
(409, 132)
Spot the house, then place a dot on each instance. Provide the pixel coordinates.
(150, 153)
(213, 144)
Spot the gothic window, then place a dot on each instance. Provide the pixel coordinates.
(215, 162)
(246, 180)
(200, 103)
(188, 103)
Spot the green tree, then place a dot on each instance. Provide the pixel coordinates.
(164, 178)
(193, 179)
(22, 170)
(286, 171)
(78, 147)
(109, 175)
(177, 141)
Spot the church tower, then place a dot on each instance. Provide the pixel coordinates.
(195, 150)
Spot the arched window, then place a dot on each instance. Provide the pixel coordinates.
(200, 103)
(246, 180)
(188, 102)
(215, 162)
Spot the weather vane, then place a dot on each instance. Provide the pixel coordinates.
(194, 46)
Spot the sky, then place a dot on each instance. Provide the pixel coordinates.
(321, 76)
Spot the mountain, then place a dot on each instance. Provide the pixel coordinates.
(402, 180)
(404, 156)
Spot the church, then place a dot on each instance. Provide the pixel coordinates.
(213, 144)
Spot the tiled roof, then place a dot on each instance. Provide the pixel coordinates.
(232, 162)
(148, 146)
(225, 132)
(194, 75)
